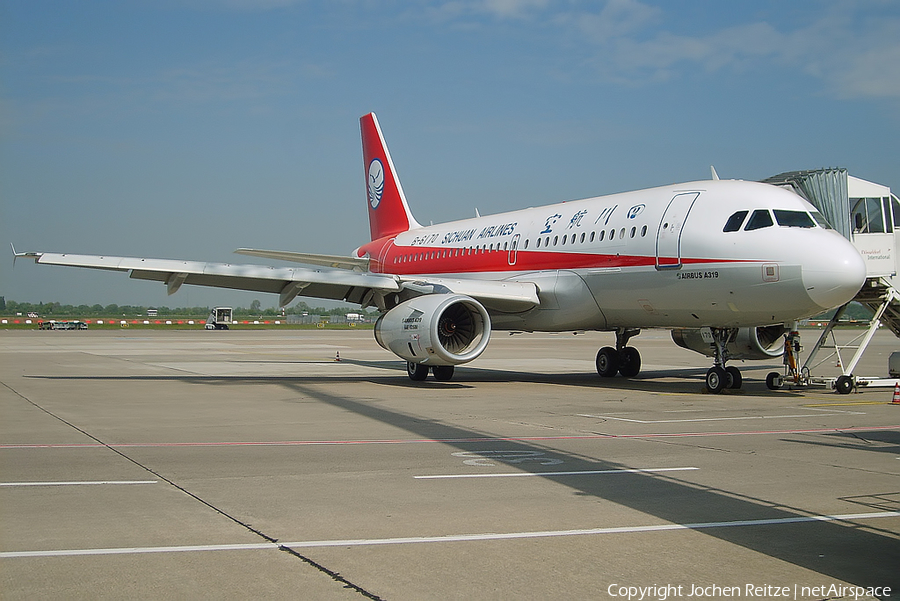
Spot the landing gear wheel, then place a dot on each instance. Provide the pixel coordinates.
(844, 384)
(733, 377)
(774, 381)
(607, 362)
(716, 378)
(629, 362)
(442, 373)
(416, 371)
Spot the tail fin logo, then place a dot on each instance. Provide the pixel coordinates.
(376, 182)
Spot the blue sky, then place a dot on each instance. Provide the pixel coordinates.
(189, 128)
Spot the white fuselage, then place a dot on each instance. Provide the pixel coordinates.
(653, 258)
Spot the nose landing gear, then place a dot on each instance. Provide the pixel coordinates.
(719, 377)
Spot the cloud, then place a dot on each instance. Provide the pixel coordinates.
(853, 48)
(510, 8)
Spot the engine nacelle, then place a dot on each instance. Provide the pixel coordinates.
(435, 329)
(763, 342)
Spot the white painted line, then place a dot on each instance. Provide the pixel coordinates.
(800, 519)
(134, 550)
(707, 419)
(93, 483)
(592, 531)
(581, 473)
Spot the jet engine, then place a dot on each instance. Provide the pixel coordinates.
(764, 342)
(435, 329)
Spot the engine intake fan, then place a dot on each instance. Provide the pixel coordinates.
(435, 329)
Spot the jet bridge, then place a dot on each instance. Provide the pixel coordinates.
(865, 213)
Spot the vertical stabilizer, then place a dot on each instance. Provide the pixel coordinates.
(388, 212)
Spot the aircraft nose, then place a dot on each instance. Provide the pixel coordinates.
(834, 277)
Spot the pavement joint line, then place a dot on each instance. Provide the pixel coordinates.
(799, 519)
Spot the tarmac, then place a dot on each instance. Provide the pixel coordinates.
(252, 464)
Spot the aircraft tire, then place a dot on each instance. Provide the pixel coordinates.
(442, 373)
(607, 362)
(416, 371)
(734, 377)
(629, 362)
(716, 379)
(844, 384)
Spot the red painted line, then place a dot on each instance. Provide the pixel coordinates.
(286, 443)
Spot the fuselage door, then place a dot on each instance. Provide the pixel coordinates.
(512, 249)
(668, 236)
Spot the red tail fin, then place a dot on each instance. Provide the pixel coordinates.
(388, 212)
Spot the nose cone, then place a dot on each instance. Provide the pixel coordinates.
(835, 274)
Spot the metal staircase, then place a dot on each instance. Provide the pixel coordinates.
(879, 295)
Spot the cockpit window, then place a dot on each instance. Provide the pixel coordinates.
(793, 218)
(759, 219)
(734, 222)
(820, 219)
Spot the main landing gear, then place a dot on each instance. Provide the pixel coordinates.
(719, 377)
(623, 359)
(418, 372)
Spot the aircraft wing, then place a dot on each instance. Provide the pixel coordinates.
(290, 282)
(287, 282)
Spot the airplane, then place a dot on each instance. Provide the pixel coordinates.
(727, 265)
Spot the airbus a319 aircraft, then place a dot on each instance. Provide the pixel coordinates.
(726, 265)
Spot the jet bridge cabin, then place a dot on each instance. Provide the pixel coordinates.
(868, 215)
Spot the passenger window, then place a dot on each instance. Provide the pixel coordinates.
(759, 219)
(793, 218)
(734, 222)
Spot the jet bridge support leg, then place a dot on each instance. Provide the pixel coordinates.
(793, 373)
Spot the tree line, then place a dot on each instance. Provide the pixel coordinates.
(855, 311)
(12, 307)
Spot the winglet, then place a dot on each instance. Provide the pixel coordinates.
(18, 255)
(715, 175)
(389, 213)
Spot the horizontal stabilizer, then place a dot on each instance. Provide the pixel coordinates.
(335, 261)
